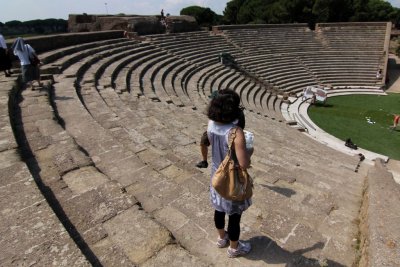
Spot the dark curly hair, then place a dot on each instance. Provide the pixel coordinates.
(224, 107)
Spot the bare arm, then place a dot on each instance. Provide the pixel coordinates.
(242, 154)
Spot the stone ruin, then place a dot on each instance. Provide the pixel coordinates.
(133, 23)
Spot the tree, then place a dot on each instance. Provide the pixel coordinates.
(203, 16)
(232, 10)
(309, 11)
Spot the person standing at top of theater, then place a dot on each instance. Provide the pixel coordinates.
(25, 52)
(5, 61)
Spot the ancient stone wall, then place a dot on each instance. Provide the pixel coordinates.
(140, 24)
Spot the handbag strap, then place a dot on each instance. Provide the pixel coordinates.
(231, 139)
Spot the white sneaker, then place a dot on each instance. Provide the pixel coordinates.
(242, 249)
(223, 242)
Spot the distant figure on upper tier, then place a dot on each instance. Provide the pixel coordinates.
(5, 61)
(27, 57)
(162, 14)
(379, 74)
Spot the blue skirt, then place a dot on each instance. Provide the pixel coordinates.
(30, 73)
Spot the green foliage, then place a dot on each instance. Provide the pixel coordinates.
(47, 26)
(309, 11)
(203, 16)
(363, 118)
(232, 10)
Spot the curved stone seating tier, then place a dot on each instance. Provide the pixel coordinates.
(54, 55)
(275, 39)
(64, 62)
(307, 224)
(206, 76)
(194, 85)
(85, 70)
(120, 75)
(229, 79)
(177, 36)
(133, 82)
(31, 228)
(110, 157)
(208, 87)
(243, 90)
(166, 79)
(97, 71)
(155, 79)
(115, 141)
(112, 70)
(215, 83)
(193, 77)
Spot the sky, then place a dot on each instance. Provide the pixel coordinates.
(24, 10)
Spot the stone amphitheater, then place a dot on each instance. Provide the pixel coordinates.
(97, 166)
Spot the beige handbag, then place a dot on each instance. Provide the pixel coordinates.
(230, 180)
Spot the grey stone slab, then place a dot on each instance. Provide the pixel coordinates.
(137, 235)
(14, 173)
(277, 226)
(174, 255)
(176, 174)
(158, 195)
(197, 184)
(154, 158)
(305, 241)
(196, 207)
(48, 127)
(84, 179)
(9, 158)
(191, 234)
(141, 180)
(18, 196)
(36, 237)
(124, 170)
(171, 218)
(262, 175)
(97, 205)
(109, 254)
(7, 140)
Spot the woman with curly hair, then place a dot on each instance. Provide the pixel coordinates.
(223, 112)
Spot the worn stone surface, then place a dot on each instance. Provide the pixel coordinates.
(173, 255)
(382, 232)
(30, 232)
(97, 205)
(137, 234)
(84, 179)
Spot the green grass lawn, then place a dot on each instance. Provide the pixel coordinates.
(363, 118)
